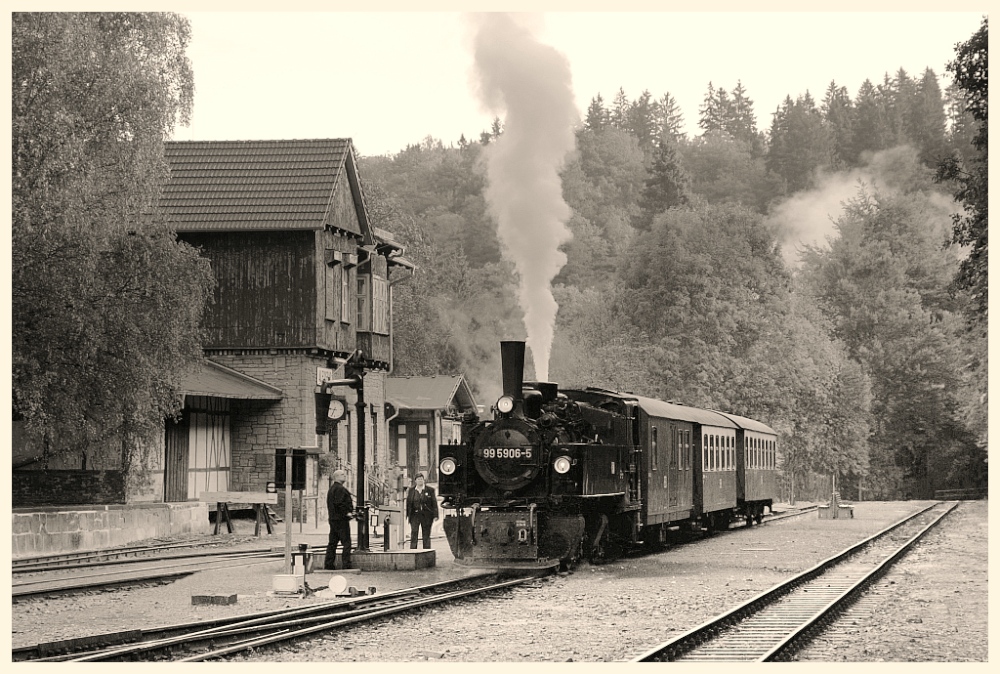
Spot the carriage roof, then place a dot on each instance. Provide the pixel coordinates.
(695, 415)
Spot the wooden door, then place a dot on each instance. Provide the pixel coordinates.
(175, 470)
(413, 438)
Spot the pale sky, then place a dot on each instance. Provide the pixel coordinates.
(389, 79)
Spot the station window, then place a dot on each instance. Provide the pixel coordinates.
(345, 295)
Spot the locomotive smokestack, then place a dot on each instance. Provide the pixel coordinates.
(512, 363)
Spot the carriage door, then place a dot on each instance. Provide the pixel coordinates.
(673, 485)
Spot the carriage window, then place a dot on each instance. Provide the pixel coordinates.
(655, 452)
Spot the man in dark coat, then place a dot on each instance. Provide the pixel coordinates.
(339, 509)
(421, 510)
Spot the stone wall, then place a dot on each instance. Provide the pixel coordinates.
(259, 427)
(52, 530)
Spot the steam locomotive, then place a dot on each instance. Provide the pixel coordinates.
(557, 476)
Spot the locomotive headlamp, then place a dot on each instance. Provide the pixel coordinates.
(447, 466)
(562, 464)
(505, 404)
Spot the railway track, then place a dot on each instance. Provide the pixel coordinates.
(63, 578)
(213, 640)
(771, 626)
(121, 555)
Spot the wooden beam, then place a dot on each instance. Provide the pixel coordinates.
(249, 497)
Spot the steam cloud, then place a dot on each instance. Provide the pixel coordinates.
(808, 218)
(533, 83)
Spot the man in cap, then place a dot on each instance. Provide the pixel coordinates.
(339, 508)
(421, 510)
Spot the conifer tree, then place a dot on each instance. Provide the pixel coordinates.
(641, 120)
(839, 113)
(709, 114)
(800, 143)
(668, 185)
(597, 114)
(669, 119)
(619, 110)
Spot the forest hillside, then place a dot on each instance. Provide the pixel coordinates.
(817, 271)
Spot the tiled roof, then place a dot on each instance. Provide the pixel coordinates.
(218, 381)
(430, 393)
(246, 185)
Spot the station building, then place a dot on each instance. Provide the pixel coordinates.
(303, 293)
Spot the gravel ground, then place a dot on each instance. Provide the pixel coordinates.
(934, 608)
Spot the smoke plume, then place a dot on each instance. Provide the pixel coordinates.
(809, 218)
(532, 84)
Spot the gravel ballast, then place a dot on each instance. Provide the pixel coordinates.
(934, 606)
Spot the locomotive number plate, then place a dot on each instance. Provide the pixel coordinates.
(506, 452)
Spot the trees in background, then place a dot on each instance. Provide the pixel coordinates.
(106, 303)
(971, 173)
(674, 286)
(800, 143)
(883, 285)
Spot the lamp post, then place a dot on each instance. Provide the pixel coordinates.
(354, 376)
(362, 506)
(354, 369)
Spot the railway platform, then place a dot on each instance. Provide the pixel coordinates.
(396, 568)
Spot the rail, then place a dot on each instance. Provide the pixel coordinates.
(212, 640)
(769, 625)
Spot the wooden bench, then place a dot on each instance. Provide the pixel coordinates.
(259, 500)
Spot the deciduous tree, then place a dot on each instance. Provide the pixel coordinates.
(970, 69)
(105, 302)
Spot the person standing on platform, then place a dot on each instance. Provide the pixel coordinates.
(421, 510)
(340, 509)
